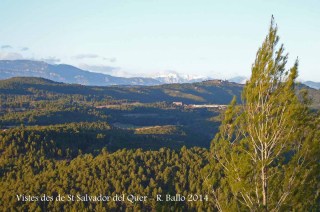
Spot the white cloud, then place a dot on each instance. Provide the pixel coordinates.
(18, 56)
(51, 60)
(94, 56)
(24, 49)
(10, 56)
(86, 56)
(112, 59)
(111, 70)
(6, 47)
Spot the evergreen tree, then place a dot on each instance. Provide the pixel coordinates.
(263, 149)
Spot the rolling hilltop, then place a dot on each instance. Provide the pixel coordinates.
(207, 92)
(140, 111)
(214, 91)
(120, 116)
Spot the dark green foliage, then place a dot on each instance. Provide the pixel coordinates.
(65, 139)
(27, 167)
(202, 92)
(43, 108)
(266, 154)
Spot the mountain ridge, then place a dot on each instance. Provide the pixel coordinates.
(65, 73)
(73, 75)
(312, 84)
(207, 92)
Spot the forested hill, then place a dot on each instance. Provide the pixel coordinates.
(207, 92)
(214, 91)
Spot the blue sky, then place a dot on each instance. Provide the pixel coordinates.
(200, 37)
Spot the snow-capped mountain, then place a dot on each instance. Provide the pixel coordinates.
(238, 79)
(65, 73)
(175, 77)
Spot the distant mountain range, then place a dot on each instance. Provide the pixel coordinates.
(315, 85)
(174, 77)
(70, 74)
(65, 73)
(238, 79)
(242, 80)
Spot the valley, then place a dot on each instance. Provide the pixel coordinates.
(135, 117)
(151, 140)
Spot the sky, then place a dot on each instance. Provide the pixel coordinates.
(211, 38)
